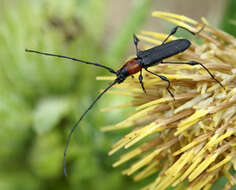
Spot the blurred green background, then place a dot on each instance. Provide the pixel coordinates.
(41, 97)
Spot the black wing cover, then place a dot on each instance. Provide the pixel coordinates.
(156, 54)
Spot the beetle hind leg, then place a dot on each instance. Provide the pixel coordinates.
(192, 63)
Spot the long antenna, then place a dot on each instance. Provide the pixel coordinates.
(77, 123)
(71, 58)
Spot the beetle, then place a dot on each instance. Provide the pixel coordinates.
(143, 60)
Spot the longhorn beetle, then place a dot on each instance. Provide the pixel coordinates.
(144, 60)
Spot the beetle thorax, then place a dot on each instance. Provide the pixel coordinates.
(129, 68)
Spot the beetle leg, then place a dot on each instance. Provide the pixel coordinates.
(192, 63)
(136, 40)
(140, 78)
(174, 30)
(164, 79)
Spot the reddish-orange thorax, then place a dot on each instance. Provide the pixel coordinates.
(132, 66)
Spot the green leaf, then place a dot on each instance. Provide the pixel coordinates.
(229, 19)
(88, 12)
(47, 154)
(19, 180)
(49, 112)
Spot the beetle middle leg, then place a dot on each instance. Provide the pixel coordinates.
(140, 78)
(164, 79)
(192, 63)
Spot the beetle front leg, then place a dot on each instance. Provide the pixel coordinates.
(140, 78)
(136, 40)
(164, 79)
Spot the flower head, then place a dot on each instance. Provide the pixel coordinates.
(192, 138)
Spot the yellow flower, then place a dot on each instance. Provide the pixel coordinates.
(192, 138)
